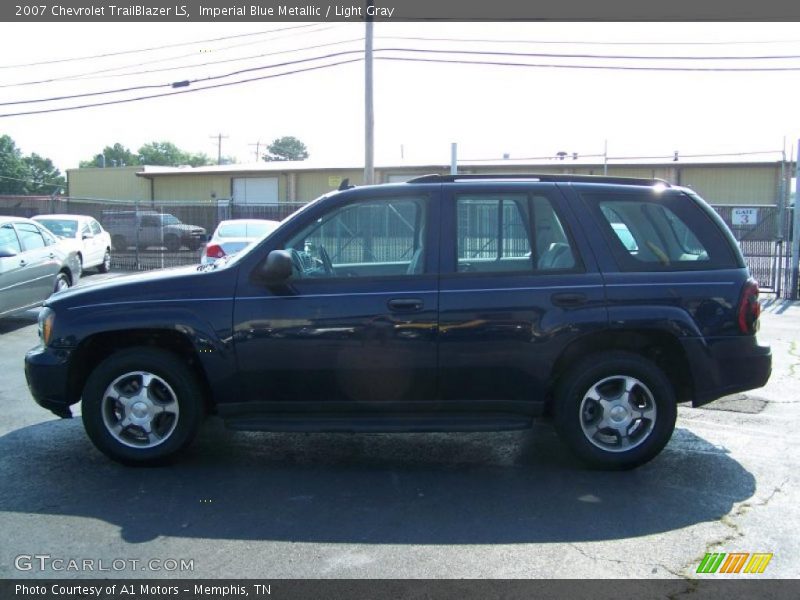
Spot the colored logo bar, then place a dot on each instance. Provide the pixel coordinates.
(734, 562)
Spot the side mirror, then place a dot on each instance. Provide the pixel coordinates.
(87, 236)
(278, 266)
(6, 252)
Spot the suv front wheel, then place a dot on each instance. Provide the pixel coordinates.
(142, 406)
(615, 411)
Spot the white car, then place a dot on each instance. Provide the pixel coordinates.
(90, 241)
(233, 236)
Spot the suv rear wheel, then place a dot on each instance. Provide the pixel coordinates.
(615, 411)
(142, 406)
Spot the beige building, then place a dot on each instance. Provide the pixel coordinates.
(731, 183)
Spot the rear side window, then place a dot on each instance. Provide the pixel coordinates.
(510, 232)
(660, 231)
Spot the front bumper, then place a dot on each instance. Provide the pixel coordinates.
(47, 374)
(723, 366)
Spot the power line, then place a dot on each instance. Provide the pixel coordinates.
(433, 51)
(589, 56)
(195, 65)
(139, 50)
(184, 83)
(596, 67)
(189, 91)
(582, 42)
(43, 182)
(396, 59)
(108, 71)
(463, 52)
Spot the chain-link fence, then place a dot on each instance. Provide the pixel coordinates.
(154, 235)
(150, 235)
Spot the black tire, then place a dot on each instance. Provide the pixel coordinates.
(172, 385)
(623, 381)
(120, 243)
(194, 245)
(105, 266)
(172, 242)
(62, 282)
(79, 271)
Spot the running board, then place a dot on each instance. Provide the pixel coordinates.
(378, 423)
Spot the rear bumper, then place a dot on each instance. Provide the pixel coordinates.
(46, 371)
(723, 366)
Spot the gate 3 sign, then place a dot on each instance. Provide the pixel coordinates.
(744, 216)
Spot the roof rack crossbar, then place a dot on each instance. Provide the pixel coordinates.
(544, 177)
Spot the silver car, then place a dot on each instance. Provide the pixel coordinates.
(234, 236)
(90, 241)
(33, 265)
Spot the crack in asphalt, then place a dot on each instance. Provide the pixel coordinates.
(729, 520)
(623, 562)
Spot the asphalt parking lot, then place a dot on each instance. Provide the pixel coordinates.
(479, 505)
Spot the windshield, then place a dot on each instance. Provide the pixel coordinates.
(61, 227)
(170, 220)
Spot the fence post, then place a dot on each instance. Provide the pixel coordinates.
(796, 225)
(136, 227)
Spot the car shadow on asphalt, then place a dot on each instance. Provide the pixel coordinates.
(476, 488)
(10, 324)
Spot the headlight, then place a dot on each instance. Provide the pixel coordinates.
(46, 318)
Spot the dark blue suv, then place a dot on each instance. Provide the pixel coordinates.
(447, 303)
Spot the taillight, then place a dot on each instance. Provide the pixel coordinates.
(214, 251)
(749, 307)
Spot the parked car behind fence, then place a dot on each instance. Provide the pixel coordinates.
(90, 241)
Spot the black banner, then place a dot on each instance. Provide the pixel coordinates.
(333, 589)
(397, 10)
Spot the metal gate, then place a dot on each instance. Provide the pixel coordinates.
(763, 234)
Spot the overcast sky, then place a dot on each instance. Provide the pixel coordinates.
(420, 107)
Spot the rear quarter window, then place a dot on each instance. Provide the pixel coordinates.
(660, 231)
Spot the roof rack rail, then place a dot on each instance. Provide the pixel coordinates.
(544, 177)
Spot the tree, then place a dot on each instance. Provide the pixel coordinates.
(286, 148)
(32, 174)
(42, 175)
(12, 169)
(168, 154)
(116, 155)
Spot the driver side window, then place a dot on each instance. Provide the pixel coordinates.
(370, 238)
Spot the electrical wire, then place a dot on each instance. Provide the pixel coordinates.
(581, 42)
(43, 182)
(596, 56)
(596, 67)
(454, 61)
(387, 58)
(186, 82)
(205, 64)
(189, 91)
(139, 50)
(89, 74)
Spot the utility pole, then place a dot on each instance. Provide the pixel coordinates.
(258, 150)
(796, 226)
(369, 114)
(219, 138)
